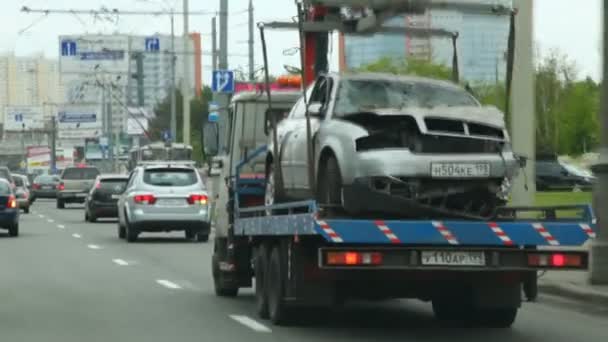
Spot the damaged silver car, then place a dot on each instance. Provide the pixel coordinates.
(397, 146)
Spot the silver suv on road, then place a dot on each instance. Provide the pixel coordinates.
(164, 197)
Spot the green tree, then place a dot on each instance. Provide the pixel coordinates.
(198, 115)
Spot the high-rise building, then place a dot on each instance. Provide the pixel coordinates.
(482, 42)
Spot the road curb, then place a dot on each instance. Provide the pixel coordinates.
(575, 292)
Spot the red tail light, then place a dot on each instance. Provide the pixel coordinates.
(98, 185)
(555, 260)
(35, 186)
(354, 258)
(144, 199)
(12, 202)
(198, 199)
(60, 186)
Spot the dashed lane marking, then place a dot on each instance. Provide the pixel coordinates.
(120, 262)
(94, 246)
(168, 284)
(251, 323)
(60, 226)
(78, 236)
(50, 220)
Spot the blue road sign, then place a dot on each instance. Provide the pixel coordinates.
(166, 135)
(223, 81)
(65, 117)
(152, 44)
(213, 117)
(103, 55)
(68, 48)
(18, 117)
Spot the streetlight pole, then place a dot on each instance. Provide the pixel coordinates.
(186, 78)
(599, 247)
(173, 97)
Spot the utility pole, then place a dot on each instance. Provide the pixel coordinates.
(223, 100)
(522, 104)
(139, 77)
(599, 247)
(214, 42)
(173, 97)
(251, 42)
(53, 144)
(186, 79)
(110, 130)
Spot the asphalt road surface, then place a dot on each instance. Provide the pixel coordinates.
(65, 280)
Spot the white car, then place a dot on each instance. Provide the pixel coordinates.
(402, 146)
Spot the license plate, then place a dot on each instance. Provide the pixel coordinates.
(170, 202)
(47, 187)
(81, 195)
(115, 196)
(453, 258)
(460, 170)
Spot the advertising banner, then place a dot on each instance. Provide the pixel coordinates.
(18, 118)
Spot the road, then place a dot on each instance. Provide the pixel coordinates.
(67, 280)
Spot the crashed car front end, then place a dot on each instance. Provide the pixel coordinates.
(440, 162)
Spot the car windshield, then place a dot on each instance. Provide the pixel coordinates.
(19, 181)
(170, 177)
(80, 173)
(47, 179)
(113, 185)
(576, 171)
(362, 95)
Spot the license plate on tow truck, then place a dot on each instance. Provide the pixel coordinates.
(453, 258)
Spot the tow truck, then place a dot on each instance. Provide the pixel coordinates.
(470, 270)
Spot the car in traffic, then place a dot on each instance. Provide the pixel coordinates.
(555, 175)
(164, 197)
(22, 192)
(398, 145)
(44, 186)
(102, 201)
(9, 209)
(75, 184)
(5, 173)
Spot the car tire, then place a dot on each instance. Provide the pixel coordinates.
(202, 237)
(273, 191)
(122, 233)
(92, 218)
(190, 235)
(131, 232)
(26, 210)
(496, 318)
(13, 230)
(260, 269)
(60, 204)
(278, 310)
(330, 186)
(221, 290)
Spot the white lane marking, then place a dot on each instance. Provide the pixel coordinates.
(41, 216)
(60, 226)
(94, 246)
(78, 236)
(168, 284)
(120, 262)
(50, 220)
(251, 323)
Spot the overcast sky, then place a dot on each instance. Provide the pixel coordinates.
(569, 25)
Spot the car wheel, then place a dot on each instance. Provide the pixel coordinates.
(329, 192)
(130, 232)
(92, 218)
(496, 318)
(261, 294)
(270, 194)
(13, 230)
(60, 204)
(121, 231)
(26, 210)
(86, 216)
(202, 237)
(221, 290)
(190, 235)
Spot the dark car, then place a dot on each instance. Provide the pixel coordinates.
(9, 209)
(556, 175)
(102, 201)
(75, 184)
(22, 192)
(44, 186)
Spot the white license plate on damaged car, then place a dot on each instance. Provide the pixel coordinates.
(460, 170)
(166, 202)
(453, 258)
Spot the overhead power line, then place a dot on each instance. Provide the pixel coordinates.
(111, 11)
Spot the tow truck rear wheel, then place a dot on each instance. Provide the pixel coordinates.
(496, 318)
(278, 310)
(260, 269)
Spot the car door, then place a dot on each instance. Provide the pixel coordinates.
(286, 130)
(321, 94)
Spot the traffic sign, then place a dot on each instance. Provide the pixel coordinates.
(213, 117)
(167, 135)
(223, 81)
(213, 107)
(18, 117)
(152, 44)
(68, 48)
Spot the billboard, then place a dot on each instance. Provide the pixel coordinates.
(79, 121)
(38, 158)
(93, 54)
(18, 118)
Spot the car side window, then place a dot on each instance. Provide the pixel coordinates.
(321, 92)
(299, 111)
(132, 177)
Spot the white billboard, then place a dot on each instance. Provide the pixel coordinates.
(18, 118)
(79, 121)
(93, 54)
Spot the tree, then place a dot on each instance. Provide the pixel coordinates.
(412, 66)
(199, 110)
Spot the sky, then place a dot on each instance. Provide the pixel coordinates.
(572, 26)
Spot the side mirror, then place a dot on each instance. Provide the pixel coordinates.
(314, 108)
(212, 139)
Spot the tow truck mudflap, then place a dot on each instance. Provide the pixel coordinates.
(458, 259)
